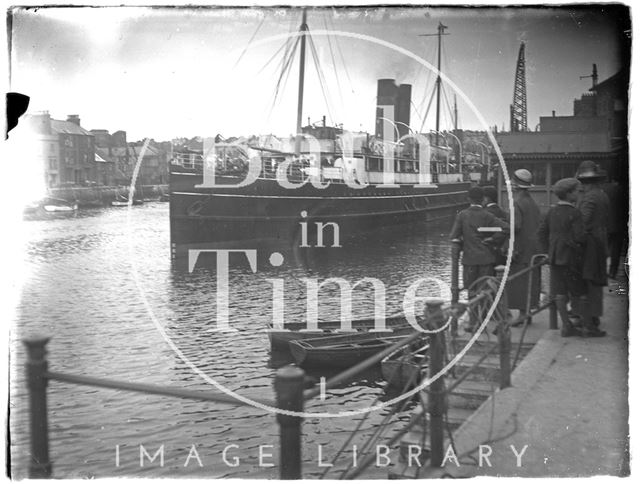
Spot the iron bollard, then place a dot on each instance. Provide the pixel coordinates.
(504, 336)
(37, 365)
(289, 385)
(435, 320)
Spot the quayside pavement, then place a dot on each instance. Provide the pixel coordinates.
(568, 404)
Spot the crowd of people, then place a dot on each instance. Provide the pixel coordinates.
(577, 234)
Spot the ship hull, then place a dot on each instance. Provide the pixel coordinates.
(267, 214)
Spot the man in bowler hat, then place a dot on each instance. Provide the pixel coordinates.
(594, 207)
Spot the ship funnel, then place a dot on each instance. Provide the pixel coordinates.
(390, 95)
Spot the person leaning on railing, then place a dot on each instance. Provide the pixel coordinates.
(522, 294)
(478, 258)
(562, 237)
(490, 203)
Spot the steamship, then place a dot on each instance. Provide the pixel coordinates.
(357, 181)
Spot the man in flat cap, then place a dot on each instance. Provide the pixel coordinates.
(562, 236)
(594, 207)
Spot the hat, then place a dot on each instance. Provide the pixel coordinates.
(564, 186)
(523, 178)
(589, 171)
(490, 192)
(475, 194)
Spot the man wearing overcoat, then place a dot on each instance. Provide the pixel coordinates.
(594, 207)
(525, 245)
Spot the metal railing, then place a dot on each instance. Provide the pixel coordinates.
(289, 382)
(288, 386)
(438, 390)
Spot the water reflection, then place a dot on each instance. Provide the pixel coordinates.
(84, 292)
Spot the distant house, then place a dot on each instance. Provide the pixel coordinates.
(114, 149)
(106, 170)
(154, 168)
(66, 150)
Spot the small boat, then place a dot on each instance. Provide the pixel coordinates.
(59, 208)
(50, 207)
(344, 351)
(405, 367)
(280, 338)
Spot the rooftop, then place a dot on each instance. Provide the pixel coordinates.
(67, 127)
(565, 142)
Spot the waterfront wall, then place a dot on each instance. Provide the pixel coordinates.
(104, 195)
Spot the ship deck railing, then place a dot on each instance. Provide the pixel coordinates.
(300, 170)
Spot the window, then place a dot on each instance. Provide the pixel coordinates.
(374, 164)
(53, 163)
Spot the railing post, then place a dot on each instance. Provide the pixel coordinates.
(289, 386)
(37, 365)
(435, 320)
(553, 312)
(504, 336)
(456, 248)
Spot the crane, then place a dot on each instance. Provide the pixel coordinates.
(519, 106)
(593, 75)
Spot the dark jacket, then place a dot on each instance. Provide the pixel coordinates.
(526, 221)
(465, 227)
(494, 209)
(498, 245)
(618, 208)
(594, 208)
(561, 235)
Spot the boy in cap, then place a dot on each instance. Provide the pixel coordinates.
(562, 236)
(478, 259)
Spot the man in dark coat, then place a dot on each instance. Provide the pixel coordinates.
(477, 257)
(525, 245)
(618, 224)
(594, 207)
(561, 236)
(490, 203)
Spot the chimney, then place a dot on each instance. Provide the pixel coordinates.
(74, 118)
(41, 122)
(403, 109)
(387, 95)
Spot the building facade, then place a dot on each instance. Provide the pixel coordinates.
(596, 131)
(65, 149)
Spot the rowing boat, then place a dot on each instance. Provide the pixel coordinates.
(346, 350)
(280, 338)
(405, 367)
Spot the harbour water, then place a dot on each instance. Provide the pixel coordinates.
(102, 285)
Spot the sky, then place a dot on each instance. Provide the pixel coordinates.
(166, 73)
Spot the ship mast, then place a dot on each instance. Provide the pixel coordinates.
(303, 30)
(440, 33)
(438, 80)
